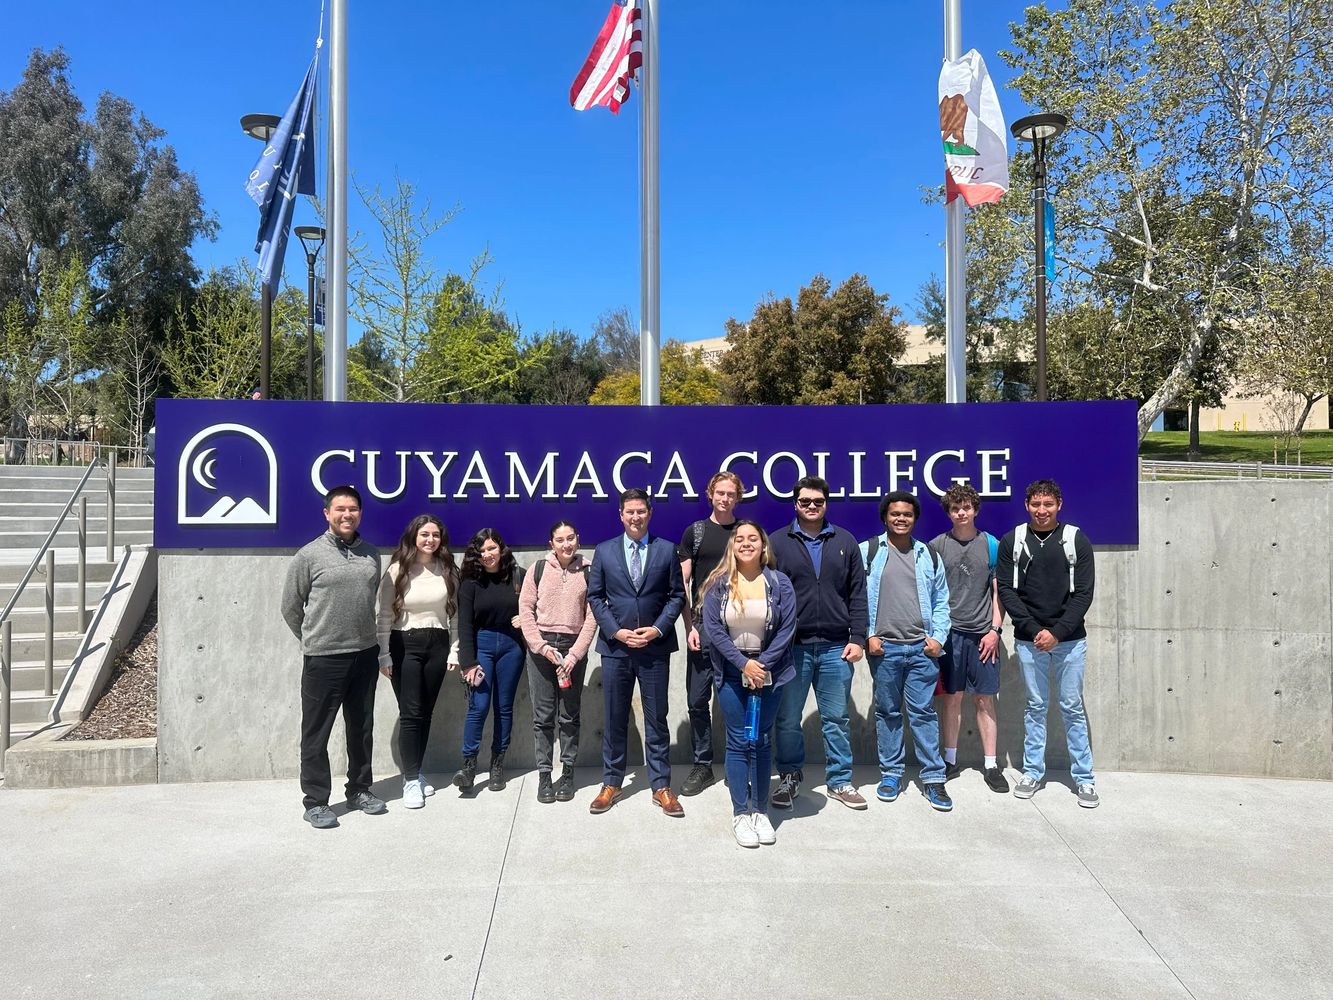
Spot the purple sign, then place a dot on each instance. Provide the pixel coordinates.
(244, 474)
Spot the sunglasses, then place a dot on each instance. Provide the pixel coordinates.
(816, 502)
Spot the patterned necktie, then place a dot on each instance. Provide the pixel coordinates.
(635, 565)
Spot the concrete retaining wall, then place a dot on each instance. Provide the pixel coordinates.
(1209, 651)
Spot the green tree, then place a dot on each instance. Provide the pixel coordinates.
(1194, 147)
(830, 346)
(214, 352)
(685, 381)
(565, 370)
(433, 335)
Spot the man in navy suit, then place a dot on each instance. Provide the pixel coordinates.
(636, 592)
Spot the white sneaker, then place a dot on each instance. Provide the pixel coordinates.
(412, 795)
(763, 829)
(426, 789)
(744, 831)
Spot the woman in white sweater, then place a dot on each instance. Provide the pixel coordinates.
(418, 597)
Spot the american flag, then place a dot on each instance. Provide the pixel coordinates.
(615, 57)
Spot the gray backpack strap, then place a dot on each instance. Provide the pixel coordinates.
(1020, 545)
(1067, 534)
(696, 539)
(872, 547)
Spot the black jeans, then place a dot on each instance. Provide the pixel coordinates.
(698, 696)
(547, 695)
(328, 683)
(420, 658)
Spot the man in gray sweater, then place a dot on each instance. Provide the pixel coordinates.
(328, 602)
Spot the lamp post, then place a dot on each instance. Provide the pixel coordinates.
(1038, 129)
(313, 238)
(262, 127)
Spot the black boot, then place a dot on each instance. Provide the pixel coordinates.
(497, 782)
(466, 774)
(545, 788)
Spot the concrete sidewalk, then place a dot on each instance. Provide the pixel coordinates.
(1178, 886)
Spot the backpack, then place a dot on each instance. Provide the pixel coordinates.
(1067, 533)
(872, 547)
(696, 534)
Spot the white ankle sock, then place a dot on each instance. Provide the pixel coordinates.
(990, 763)
(950, 755)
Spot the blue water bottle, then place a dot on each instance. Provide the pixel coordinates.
(752, 719)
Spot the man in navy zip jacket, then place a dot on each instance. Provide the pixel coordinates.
(824, 564)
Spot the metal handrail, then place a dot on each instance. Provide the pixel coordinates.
(45, 553)
(1151, 469)
(78, 451)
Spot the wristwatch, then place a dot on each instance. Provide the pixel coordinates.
(997, 630)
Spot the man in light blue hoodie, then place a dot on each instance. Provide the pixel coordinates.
(907, 595)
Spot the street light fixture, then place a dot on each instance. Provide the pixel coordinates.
(1039, 129)
(312, 237)
(262, 127)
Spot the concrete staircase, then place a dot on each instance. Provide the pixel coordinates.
(31, 498)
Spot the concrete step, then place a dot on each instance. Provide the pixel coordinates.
(18, 521)
(29, 708)
(74, 472)
(69, 537)
(31, 677)
(31, 620)
(32, 648)
(135, 494)
(67, 595)
(13, 564)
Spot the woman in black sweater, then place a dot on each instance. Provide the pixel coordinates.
(490, 650)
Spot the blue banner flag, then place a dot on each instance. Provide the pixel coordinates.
(1050, 241)
(285, 169)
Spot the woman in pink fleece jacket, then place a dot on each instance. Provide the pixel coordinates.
(558, 627)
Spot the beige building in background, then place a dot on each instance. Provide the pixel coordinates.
(1235, 414)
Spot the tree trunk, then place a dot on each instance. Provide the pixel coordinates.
(1170, 388)
(1195, 452)
(1305, 414)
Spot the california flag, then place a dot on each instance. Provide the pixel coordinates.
(976, 157)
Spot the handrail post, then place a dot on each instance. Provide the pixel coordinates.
(50, 622)
(6, 647)
(111, 507)
(83, 564)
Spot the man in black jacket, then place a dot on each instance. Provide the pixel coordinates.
(1045, 578)
(824, 564)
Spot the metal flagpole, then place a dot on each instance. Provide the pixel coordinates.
(335, 304)
(955, 238)
(650, 306)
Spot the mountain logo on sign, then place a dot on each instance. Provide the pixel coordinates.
(228, 475)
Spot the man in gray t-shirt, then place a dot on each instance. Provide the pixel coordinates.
(971, 657)
(908, 601)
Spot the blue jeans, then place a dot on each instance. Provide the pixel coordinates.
(819, 665)
(501, 659)
(1067, 660)
(907, 674)
(749, 765)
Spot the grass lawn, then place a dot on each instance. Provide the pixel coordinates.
(1316, 447)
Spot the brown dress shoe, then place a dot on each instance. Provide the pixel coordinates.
(606, 798)
(666, 799)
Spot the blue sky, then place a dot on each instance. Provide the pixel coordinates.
(796, 135)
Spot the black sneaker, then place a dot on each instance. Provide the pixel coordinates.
(995, 780)
(466, 775)
(952, 771)
(701, 776)
(545, 790)
(367, 803)
(321, 817)
(497, 782)
(564, 790)
(788, 785)
(937, 796)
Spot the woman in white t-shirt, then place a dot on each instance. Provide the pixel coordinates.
(418, 597)
(749, 616)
